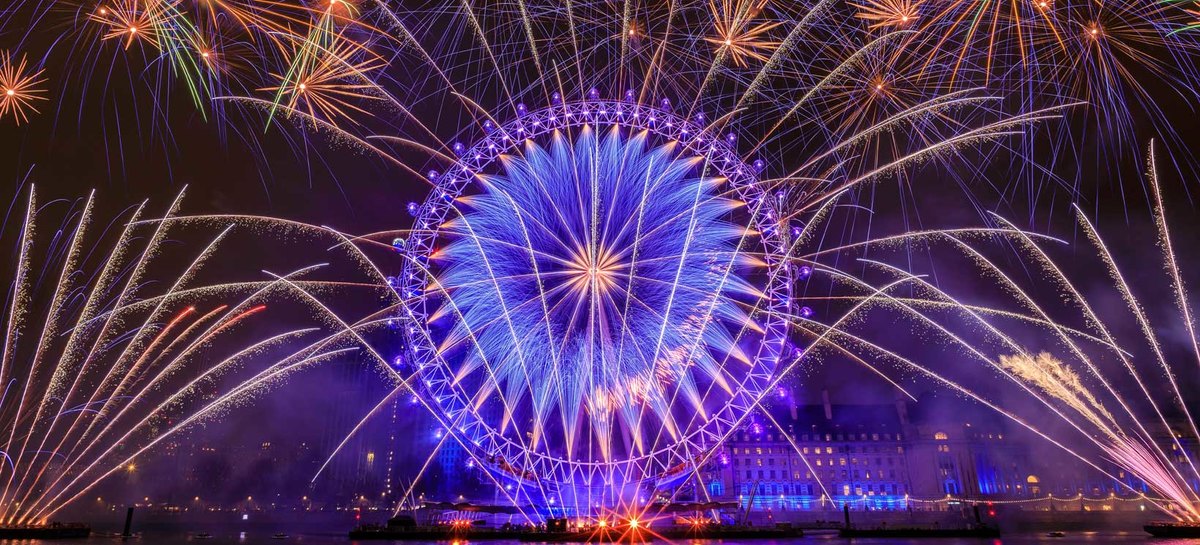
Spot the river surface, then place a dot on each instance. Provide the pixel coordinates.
(264, 537)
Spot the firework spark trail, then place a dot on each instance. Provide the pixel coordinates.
(13, 324)
(1052, 377)
(1096, 323)
(874, 298)
(246, 388)
(304, 355)
(344, 328)
(1043, 373)
(885, 354)
(92, 302)
(1125, 438)
(100, 340)
(53, 317)
(1048, 375)
(101, 371)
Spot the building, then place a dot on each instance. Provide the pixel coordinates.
(902, 455)
(824, 455)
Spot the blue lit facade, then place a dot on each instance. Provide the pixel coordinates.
(879, 457)
(829, 455)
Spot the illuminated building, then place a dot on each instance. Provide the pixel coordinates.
(829, 455)
(899, 456)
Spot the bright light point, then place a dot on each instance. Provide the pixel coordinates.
(103, 11)
(133, 30)
(10, 92)
(728, 42)
(878, 86)
(633, 524)
(303, 87)
(204, 54)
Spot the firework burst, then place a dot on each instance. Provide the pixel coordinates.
(328, 81)
(739, 35)
(889, 14)
(20, 88)
(326, 60)
(134, 21)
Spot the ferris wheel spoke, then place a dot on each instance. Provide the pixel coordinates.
(605, 278)
(426, 337)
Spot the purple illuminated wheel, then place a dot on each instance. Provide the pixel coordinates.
(597, 293)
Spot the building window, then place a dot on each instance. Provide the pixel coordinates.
(941, 436)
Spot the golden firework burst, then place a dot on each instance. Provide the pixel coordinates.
(888, 13)
(739, 34)
(133, 20)
(326, 81)
(20, 88)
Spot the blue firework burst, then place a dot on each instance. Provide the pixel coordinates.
(594, 289)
